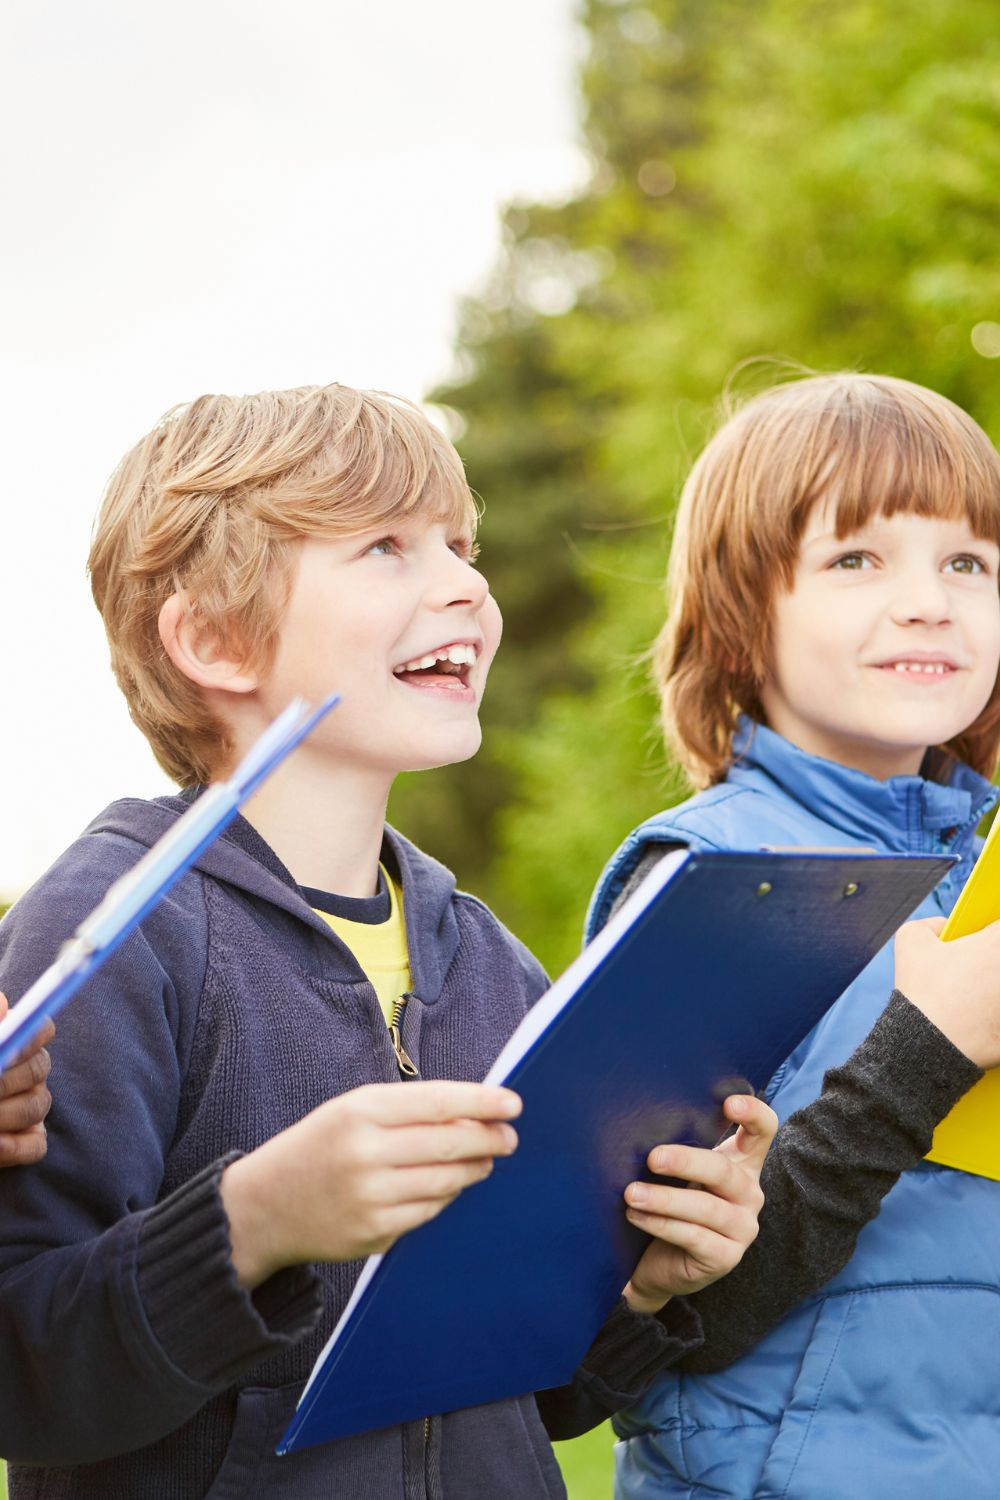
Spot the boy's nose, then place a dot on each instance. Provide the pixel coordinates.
(458, 582)
(922, 599)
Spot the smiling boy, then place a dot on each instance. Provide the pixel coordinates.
(167, 1283)
(830, 676)
(887, 631)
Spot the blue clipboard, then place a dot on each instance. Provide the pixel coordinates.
(136, 893)
(715, 969)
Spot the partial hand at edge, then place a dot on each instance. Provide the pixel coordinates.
(956, 984)
(25, 1100)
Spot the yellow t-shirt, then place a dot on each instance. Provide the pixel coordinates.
(379, 947)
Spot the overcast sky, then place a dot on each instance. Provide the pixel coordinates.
(223, 195)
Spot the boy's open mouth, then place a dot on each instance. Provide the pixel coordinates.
(446, 667)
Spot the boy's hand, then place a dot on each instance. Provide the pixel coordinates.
(361, 1170)
(24, 1100)
(956, 984)
(700, 1232)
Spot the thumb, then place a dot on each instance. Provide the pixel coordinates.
(914, 940)
(920, 932)
(758, 1124)
(3, 1005)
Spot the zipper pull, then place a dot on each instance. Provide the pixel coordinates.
(404, 1061)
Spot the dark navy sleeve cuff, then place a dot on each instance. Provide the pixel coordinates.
(630, 1350)
(209, 1326)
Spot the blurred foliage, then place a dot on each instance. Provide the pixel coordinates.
(787, 179)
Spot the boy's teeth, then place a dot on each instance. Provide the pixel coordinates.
(937, 667)
(459, 656)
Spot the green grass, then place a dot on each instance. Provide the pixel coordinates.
(586, 1464)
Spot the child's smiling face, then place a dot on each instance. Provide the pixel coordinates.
(888, 641)
(405, 628)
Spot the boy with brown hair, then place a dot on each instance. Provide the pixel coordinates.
(829, 673)
(169, 1279)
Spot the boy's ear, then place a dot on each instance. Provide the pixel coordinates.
(196, 651)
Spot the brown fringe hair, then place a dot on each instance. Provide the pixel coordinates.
(211, 503)
(880, 446)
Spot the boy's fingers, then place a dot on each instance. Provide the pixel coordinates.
(36, 1044)
(933, 925)
(707, 1246)
(758, 1125)
(442, 1099)
(42, 1039)
(717, 1170)
(25, 1109)
(24, 1148)
(398, 1218)
(691, 1164)
(22, 1076)
(453, 1141)
(424, 1184)
(671, 1230)
(657, 1201)
(913, 937)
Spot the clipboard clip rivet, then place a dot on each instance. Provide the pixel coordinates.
(764, 889)
(851, 888)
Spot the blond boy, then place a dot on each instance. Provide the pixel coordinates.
(167, 1283)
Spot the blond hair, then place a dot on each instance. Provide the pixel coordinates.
(211, 502)
(876, 446)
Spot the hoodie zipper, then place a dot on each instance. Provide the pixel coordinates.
(404, 1061)
(409, 1069)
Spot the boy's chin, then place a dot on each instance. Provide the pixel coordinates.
(460, 748)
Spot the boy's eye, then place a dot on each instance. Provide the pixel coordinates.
(465, 548)
(966, 563)
(386, 546)
(852, 561)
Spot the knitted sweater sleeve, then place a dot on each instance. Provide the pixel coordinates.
(630, 1350)
(120, 1312)
(831, 1165)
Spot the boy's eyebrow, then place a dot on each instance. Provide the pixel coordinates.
(826, 541)
(828, 538)
(871, 529)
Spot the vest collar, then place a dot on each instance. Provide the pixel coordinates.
(906, 813)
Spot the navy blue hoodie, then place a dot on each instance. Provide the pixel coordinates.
(133, 1364)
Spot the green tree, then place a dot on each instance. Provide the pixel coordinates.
(789, 179)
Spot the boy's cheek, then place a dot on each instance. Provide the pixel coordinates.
(492, 627)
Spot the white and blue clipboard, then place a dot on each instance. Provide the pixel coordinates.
(137, 892)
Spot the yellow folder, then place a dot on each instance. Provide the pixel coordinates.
(969, 1136)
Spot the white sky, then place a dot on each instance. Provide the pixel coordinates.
(222, 195)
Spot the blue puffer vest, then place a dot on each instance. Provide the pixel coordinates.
(887, 1383)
